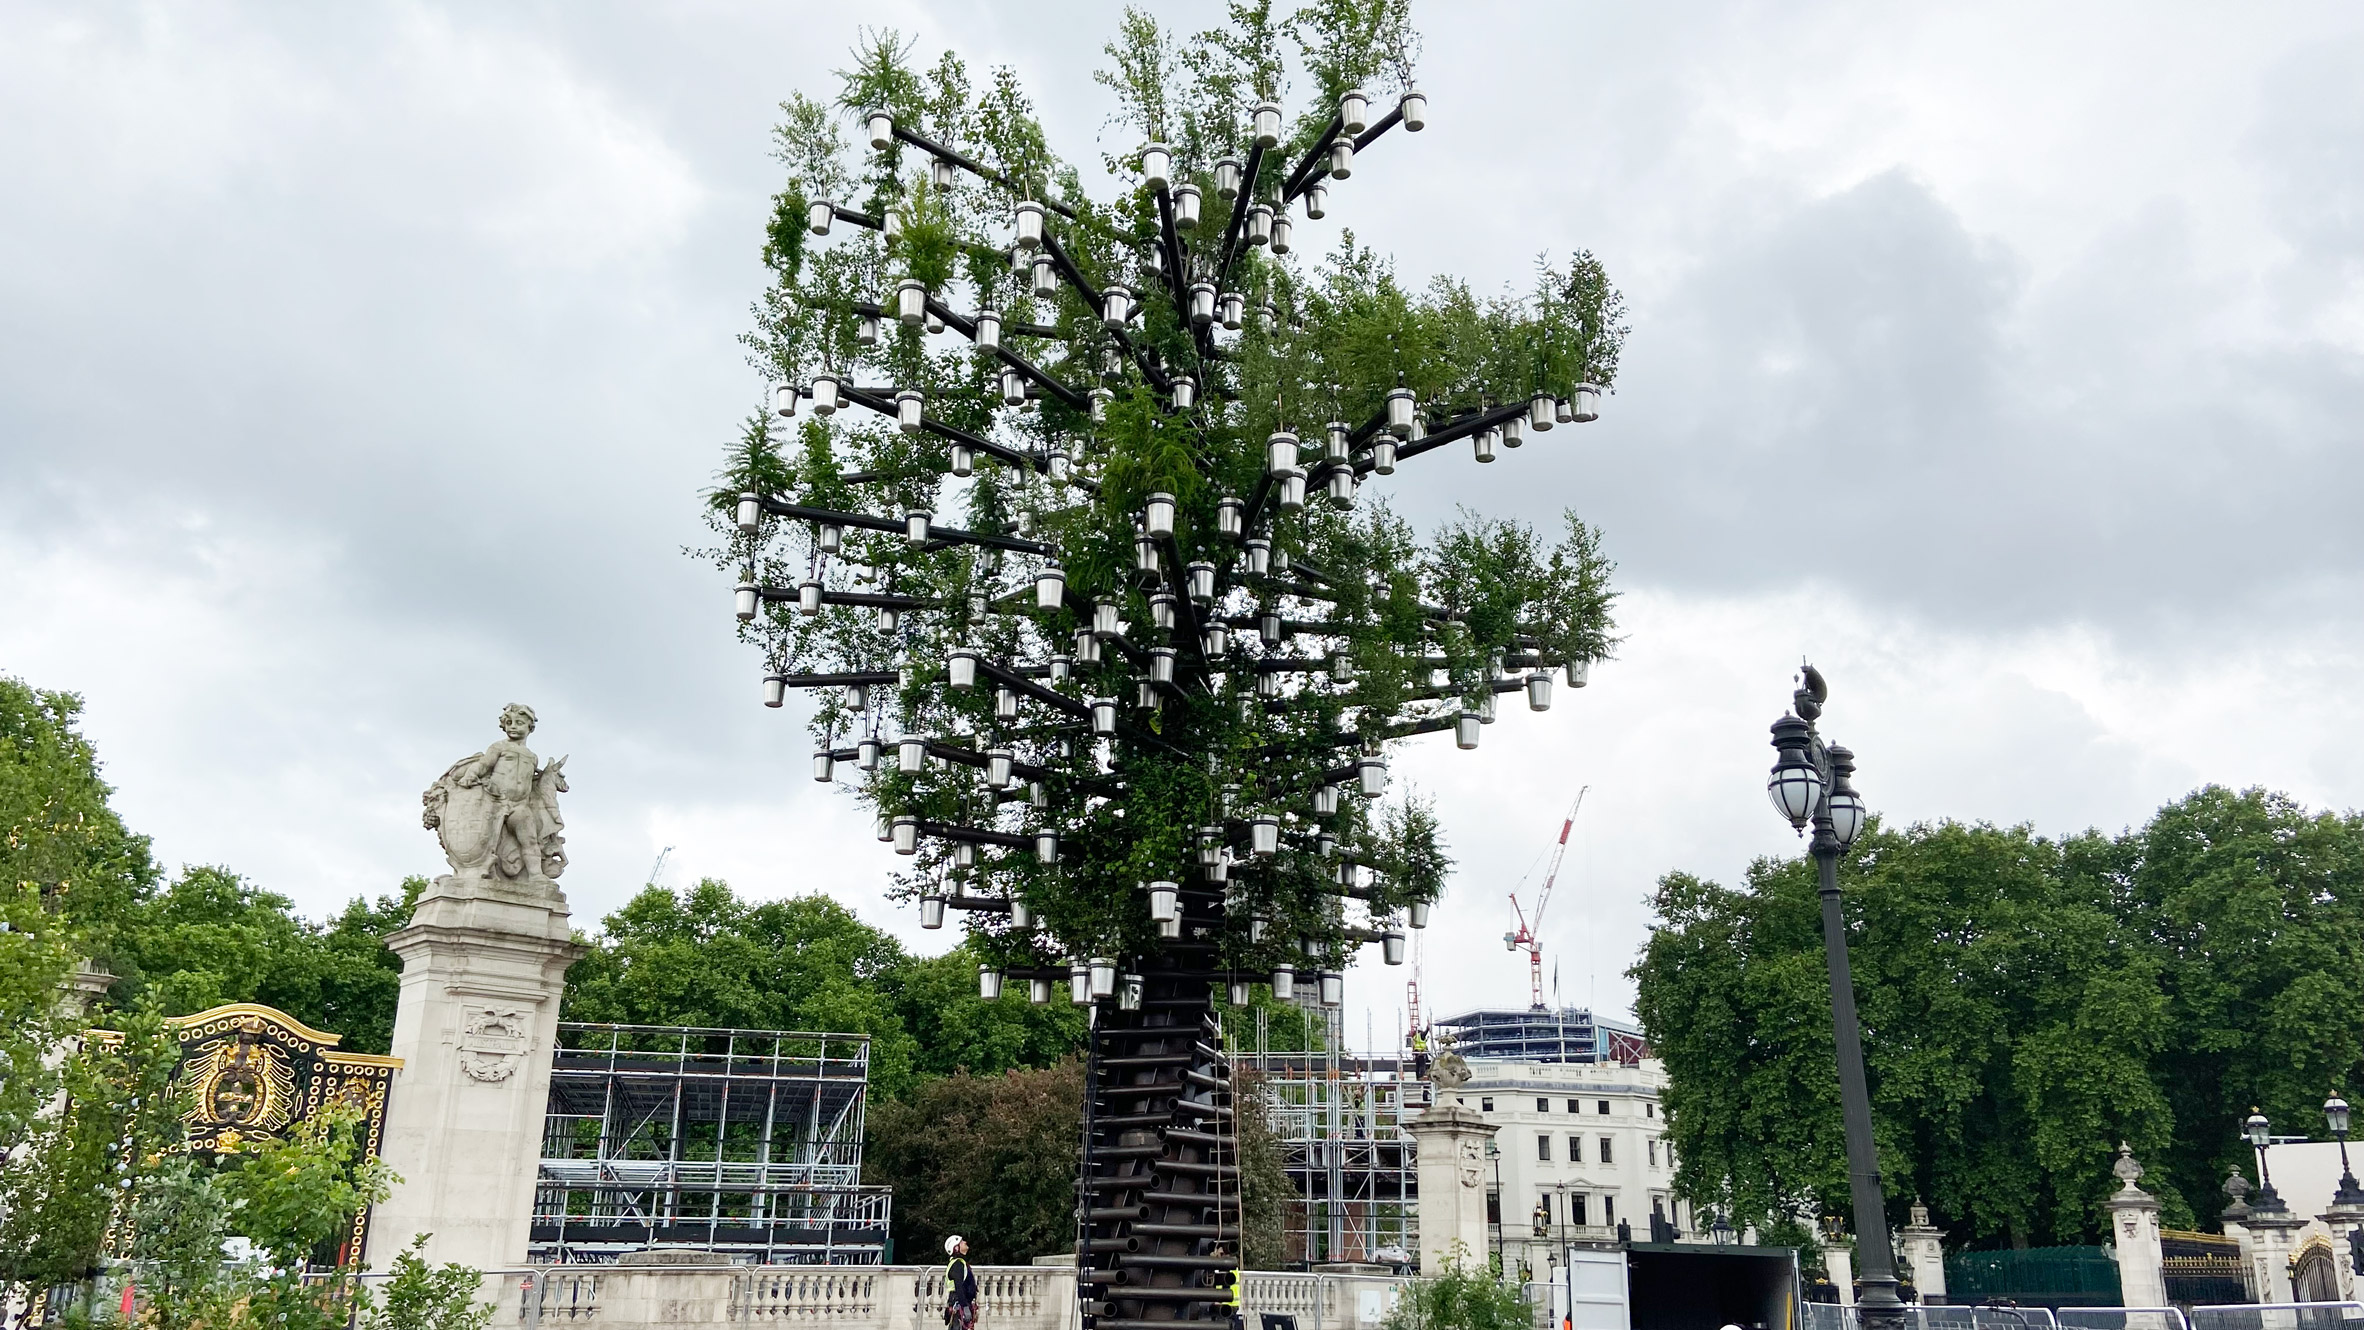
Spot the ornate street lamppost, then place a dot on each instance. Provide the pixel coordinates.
(2335, 1116)
(2261, 1135)
(1810, 786)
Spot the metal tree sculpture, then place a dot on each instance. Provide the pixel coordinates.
(1057, 509)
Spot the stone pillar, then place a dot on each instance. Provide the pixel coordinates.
(2272, 1235)
(1924, 1255)
(2134, 1231)
(483, 966)
(1451, 1142)
(1839, 1259)
(2344, 1221)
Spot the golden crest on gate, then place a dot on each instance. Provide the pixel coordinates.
(241, 1086)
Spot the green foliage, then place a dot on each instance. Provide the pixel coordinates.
(35, 957)
(1384, 638)
(296, 1193)
(178, 1222)
(1460, 1298)
(57, 834)
(706, 957)
(82, 1163)
(420, 1296)
(2027, 1004)
(212, 937)
(1265, 1189)
(989, 1157)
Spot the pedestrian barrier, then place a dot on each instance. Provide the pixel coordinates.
(2279, 1316)
(2124, 1318)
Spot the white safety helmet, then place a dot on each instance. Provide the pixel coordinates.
(952, 1244)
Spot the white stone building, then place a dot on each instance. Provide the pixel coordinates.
(1579, 1148)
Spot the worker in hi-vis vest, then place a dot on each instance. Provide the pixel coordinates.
(1231, 1303)
(960, 1285)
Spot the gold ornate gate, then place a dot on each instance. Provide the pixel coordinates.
(253, 1071)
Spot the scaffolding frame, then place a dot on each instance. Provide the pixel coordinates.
(743, 1143)
(1338, 1116)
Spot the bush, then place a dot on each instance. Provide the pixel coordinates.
(1460, 1298)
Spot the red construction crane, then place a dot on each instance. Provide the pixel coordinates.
(1529, 934)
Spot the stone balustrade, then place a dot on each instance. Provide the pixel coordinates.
(637, 1297)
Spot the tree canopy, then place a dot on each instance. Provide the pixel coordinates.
(705, 956)
(2027, 1003)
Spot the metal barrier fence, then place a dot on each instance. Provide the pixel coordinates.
(2124, 1318)
(2279, 1316)
(1922, 1316)
(2245, 1316)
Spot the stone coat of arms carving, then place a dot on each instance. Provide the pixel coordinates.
(496, 812)
(494, 1043)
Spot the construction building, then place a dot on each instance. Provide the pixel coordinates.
(1541, 1034)
(743, 1143)
(1338, 1113)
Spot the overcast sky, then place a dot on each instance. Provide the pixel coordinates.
(359, 367)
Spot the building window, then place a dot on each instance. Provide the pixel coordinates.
(1576, 1210)
(1542, 1105)
(1608, 1146)
(1543, 1214)
(1575, 1105)
(1493, 1207)
(1486, 1105)
(1543, 1146)
(1575, 1149)
(1604, 1106)
(1608, 1212)
(1649, 1110)
(1653, 1153)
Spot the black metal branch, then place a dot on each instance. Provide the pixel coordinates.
(782, 508)
(973, 167)
(1018, 683)
(774, 595)
(1458, 430)
(1027, 367)
(1239, 215)
(1321, 146)
(853, 679)
(878, 400)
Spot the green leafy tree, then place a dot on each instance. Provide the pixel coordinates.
(1037, 455)
(2252, 909)
(705, 956)
(36, 955)
(86, 1157)
(61, 838)
(211, 937)
(1101, 623)
(2027, 1004)
(957, 1031)
(989, 1157)
(1266, 1192)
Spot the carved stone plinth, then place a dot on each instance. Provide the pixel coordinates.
(2273, 1235)
(483, 966)
(1924, 1255)
(1453, 1175)
(2134, 1236)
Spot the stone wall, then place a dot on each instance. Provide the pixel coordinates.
(896, 1297)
